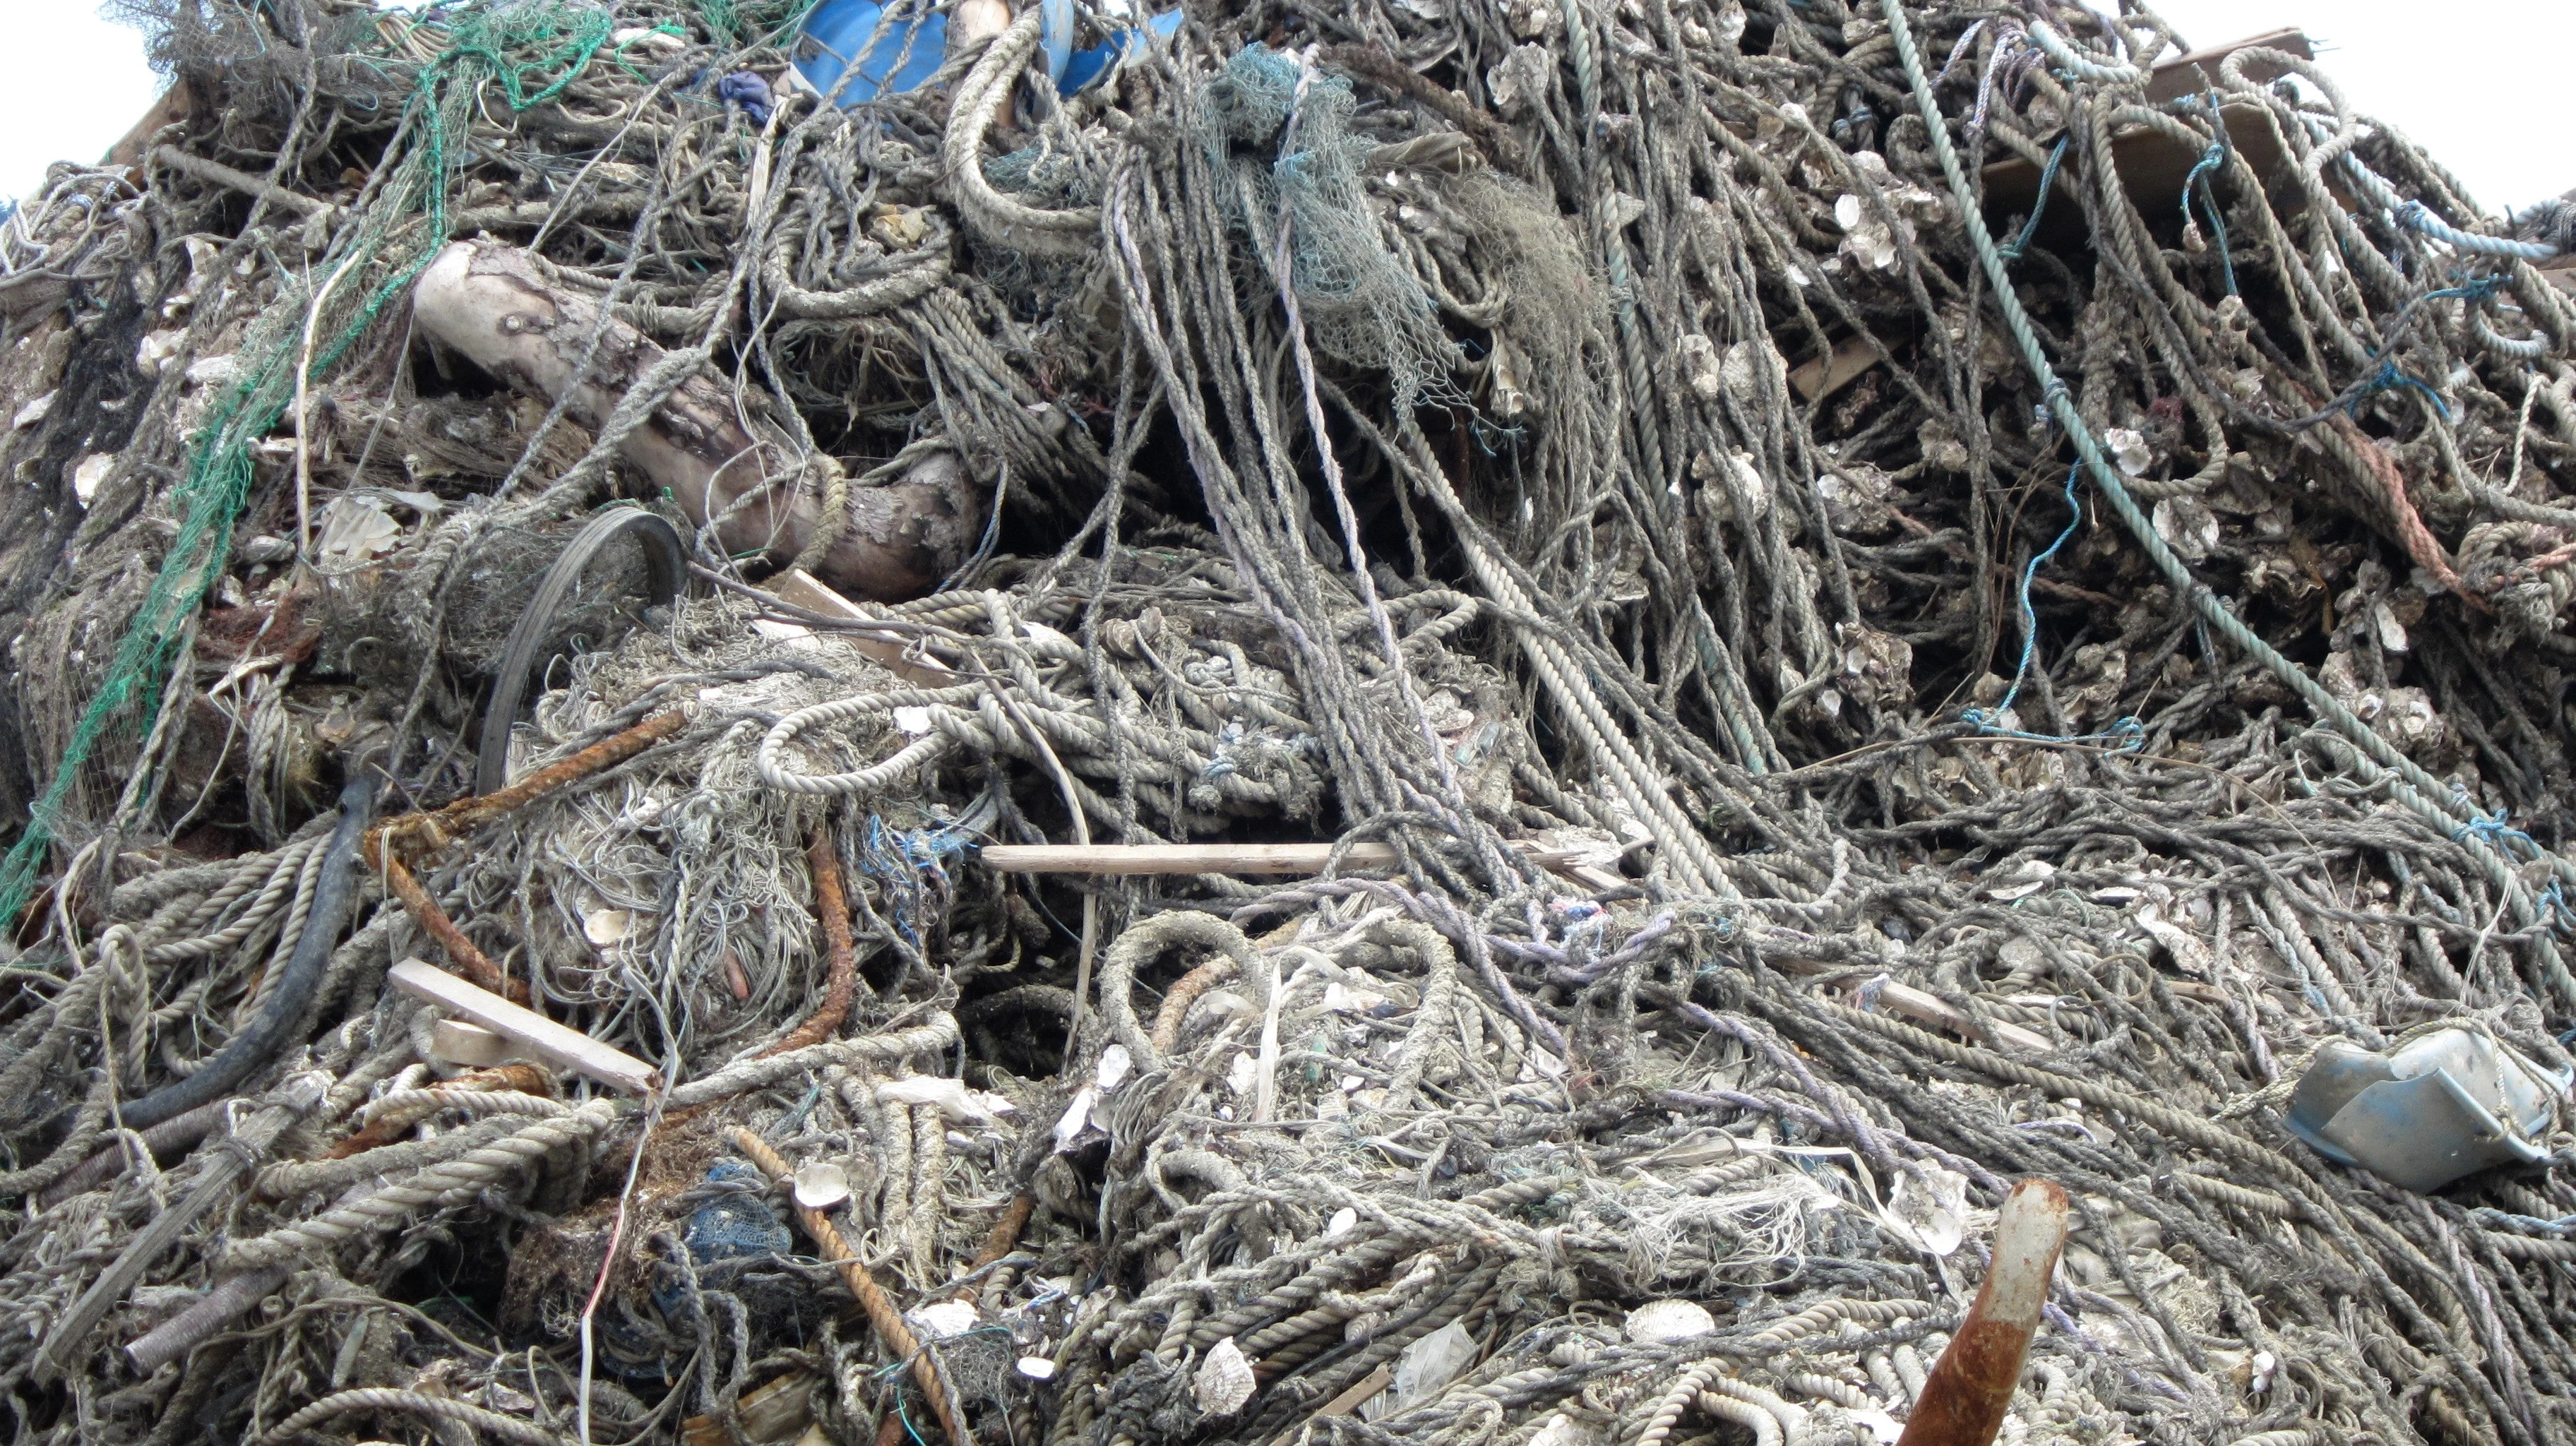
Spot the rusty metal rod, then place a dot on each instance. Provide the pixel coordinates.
(833, 903)
(1964, 1398)
(872, 1298)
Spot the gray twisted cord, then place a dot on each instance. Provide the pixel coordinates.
(389, 1207)
(418, 1104)
(917, 273)
(2428, 795)
(289, 1178)
(990, 214)
(285, 870)
(1142, 941)
(443, 1408)
(938, 1033)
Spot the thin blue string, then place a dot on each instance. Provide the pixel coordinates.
(2210, 161)
(2038, 208)
(2497, 832)
(2389, 378)
(2128, 734)
(902, 857)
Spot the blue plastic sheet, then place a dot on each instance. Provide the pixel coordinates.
(909, 51)
(903, 58)
(1088, 66)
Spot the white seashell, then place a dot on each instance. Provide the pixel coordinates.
(944, 1319)
(604, 927)
(820, 1185)
(1037, 1368)
(1343, 1219)
(1115, 1063)
(1224, 1380)
(1669, 1320)
(957, 1103)
(91, 475)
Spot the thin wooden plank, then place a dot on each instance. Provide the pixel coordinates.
(532, 1032)
(1274, 858)
(2197, 72)
(803, 589)
(2152, 165)
(456, 1041)
(1825, 375)
(1358, 1395)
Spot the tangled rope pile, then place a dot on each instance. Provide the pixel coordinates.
(1871, 603)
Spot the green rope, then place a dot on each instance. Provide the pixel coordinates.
(2416, 789)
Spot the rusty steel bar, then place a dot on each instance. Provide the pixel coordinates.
(1964, 1398)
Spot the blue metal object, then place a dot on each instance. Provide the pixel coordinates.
(1055, 36)
(909, 51)
(1086, 67)
(2445, 1104)
(844, 35)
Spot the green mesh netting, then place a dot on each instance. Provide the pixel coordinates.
(1284, 132)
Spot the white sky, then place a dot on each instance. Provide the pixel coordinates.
(2481, 84)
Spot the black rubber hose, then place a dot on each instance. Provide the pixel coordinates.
(665, 570)
(246, 1051)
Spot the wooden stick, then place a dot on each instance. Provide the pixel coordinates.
(1282, 858)
(1926, 1008)
(219, 174)
(227, 1302)
(802, 589)
(531, 1031)
(888, 1321)
(215, 1185)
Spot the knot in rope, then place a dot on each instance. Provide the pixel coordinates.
(2389, 378)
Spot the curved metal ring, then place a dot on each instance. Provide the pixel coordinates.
(665, 566)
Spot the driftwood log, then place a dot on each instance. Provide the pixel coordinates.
(491, 304)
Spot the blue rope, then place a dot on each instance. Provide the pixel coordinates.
(2128, 734)
(2493, 829)
(2481, 289)
(907, 860)
(2415, 216)
(2389, 378)
(2210, 161)
(2038, 208)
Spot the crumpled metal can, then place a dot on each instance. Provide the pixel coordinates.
(2444, 1104)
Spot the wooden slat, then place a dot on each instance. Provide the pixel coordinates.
(1278, 858)
(1925, 1008)
(2197, 72)
(1824, 376)
(528, 1030)
(2151, 165)
(803, 589)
